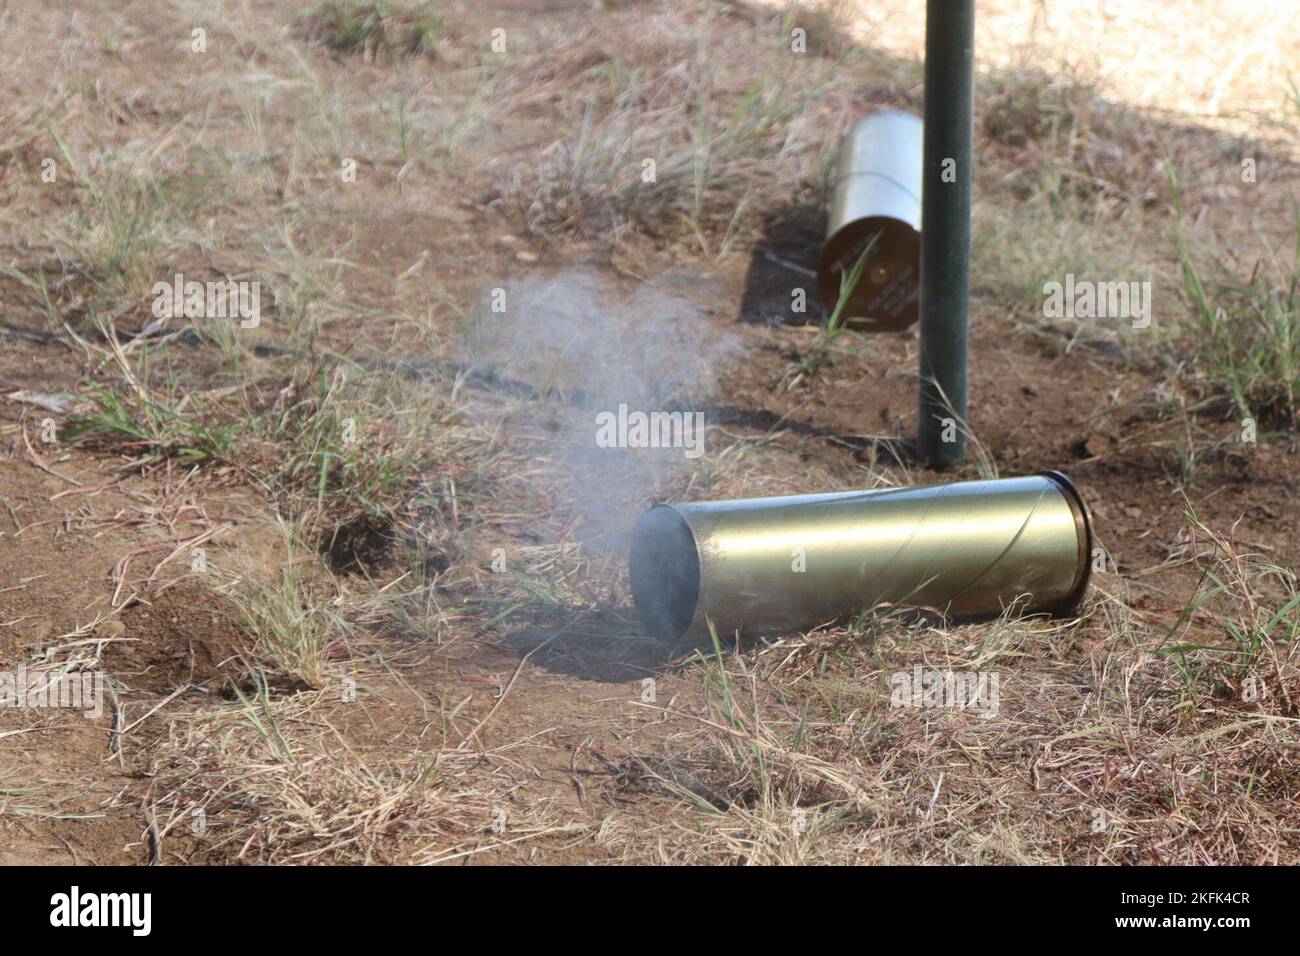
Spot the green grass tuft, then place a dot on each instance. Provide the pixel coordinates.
(371, 27)
(1244, 336)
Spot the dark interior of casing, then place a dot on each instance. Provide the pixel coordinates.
(665, 572)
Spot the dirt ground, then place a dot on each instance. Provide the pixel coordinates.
(355, 578)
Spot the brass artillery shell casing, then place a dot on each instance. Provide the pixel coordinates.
(967, 550)
(877, 190)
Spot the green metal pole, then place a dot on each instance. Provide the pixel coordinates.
(945, 229)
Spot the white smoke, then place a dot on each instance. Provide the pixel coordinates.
(587, 345)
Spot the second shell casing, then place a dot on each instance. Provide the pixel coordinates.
(877, 190)
(967, 549)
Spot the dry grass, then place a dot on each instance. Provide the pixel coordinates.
(456, 555)
(1219, 64)
(802, 758)
(673, 139)
(287, 781)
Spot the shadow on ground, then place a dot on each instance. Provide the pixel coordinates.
(598, 644)
(783, 260)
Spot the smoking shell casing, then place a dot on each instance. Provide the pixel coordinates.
(967, 550)
(877, 190)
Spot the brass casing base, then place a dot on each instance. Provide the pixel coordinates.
(877, 193)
